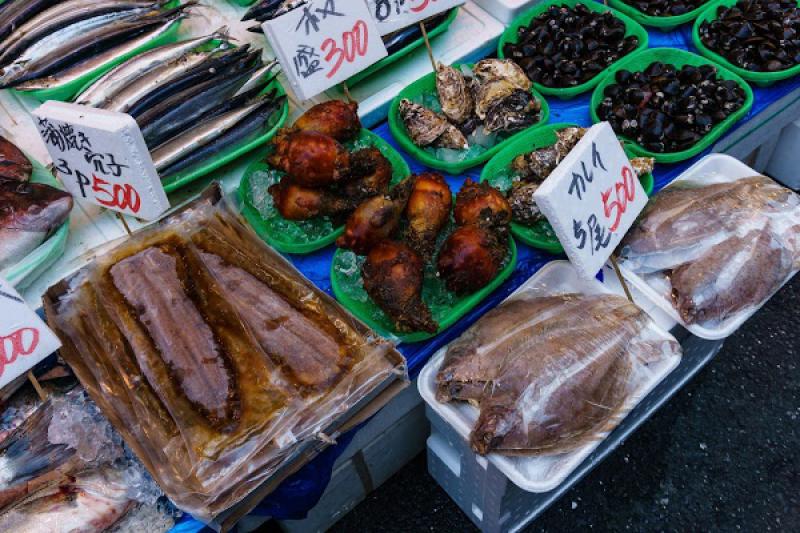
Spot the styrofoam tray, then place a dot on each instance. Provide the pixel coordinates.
(712, 168)
(540, 473)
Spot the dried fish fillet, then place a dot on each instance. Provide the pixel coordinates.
(211, 356)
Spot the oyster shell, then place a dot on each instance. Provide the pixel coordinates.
(487, 70)
(517, 111)
(427, 128)
(523, 206)
(489, 93)
(455, 96)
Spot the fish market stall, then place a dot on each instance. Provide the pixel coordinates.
(389, 232)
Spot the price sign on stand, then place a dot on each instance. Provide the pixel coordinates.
(393, 15)
(101, 157)
(323, 42)
(24, 337)
(592, 198)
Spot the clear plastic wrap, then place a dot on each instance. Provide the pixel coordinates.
(212, 356)
(716, 246)
(550, 373)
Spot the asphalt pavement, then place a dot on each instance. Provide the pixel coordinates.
(721, 455)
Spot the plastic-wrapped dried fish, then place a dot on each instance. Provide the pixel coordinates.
(455, 95)
(427, 128)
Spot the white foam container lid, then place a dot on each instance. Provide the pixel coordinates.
(541, 473)
(713, 167)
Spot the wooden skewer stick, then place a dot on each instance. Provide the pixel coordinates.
(346, 91)
(35, 382)
(621, 279)
(124, 223)
(428, 45)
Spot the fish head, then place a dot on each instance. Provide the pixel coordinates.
(33, 207)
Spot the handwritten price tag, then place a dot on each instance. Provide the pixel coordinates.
(324, 42)
(101, 157)
(592, 198)
(24, 338)
(393, 15)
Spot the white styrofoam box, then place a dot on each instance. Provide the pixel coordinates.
(784, 164)
(507, 10)
(494, 503)
(545, 472)
(712, 168)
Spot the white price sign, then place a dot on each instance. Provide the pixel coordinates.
(323, 43)
(24, 337)
(101, 157)
(592, 198)
(393, 15)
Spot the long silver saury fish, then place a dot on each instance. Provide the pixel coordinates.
(29, 213)
(91, 64)
(123, 75)
(178, 147)
(127, 97)
(63, 15)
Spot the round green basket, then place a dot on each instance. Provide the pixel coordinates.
(640, 61)
(400, 54)
(498, 173)
(67, 91)
(24, 272)
(662, 23)
(473, 157)
(300, 237)
(510, 36)
(761, 79)
(446, 307)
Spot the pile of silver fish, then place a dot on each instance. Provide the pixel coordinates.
(29, 212)
(64, 469)
(191, 99)
(46, 43)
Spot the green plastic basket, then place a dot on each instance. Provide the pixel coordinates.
(761, 79)
(67, 91)
(277, 120)
(427, 85)
(679, 58)
(351, 294)
(243, 3)
(662, 23)
(400, 54)
(497, 173)
(511, 34)
(305, 236)
(23, 273)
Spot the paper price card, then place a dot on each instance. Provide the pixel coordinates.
(101, 157)
(24, 337)
(392, 15)
(323, 42)
(592, 198)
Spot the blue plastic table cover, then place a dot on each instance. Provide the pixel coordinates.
(300, 492)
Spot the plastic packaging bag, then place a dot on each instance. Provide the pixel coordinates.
(716, 247)
(211, 355)
(553, 371)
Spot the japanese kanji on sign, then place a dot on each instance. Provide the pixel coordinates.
(101, 157)
(393, 15)
(592, 198)
(323, 43)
